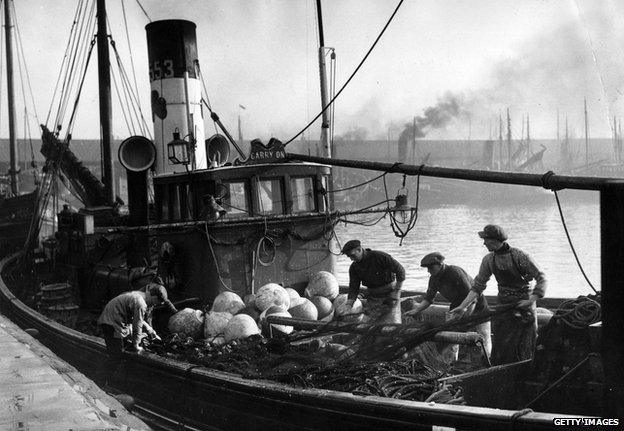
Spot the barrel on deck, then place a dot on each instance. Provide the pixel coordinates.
(57, 302)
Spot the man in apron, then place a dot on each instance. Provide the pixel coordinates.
(382, 275)
(514, 333)
(454, 284)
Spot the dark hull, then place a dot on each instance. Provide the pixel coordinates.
(16, 214)
(205, 399)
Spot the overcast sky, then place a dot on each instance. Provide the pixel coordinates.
(531, 56)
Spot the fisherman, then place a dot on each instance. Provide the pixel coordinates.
(514, 333)
(382, 275)
(453, 283)
(123, 319)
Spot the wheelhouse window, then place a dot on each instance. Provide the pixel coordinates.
(270, 196)
(302, 190)
(236, 202)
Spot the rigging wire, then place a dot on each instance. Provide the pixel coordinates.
(214, 259)
(20, 50)
(565, 228)
(65, 56)
(143, 9)
(358, 185)
(205, 92)
(79, 54)
(350, 77)
(75, 110)
(123, 9)
(75, 49)
(123, 107)
(131, 97)
(123, 100)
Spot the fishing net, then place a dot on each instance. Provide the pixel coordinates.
(389, 360)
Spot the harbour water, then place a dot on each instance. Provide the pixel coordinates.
(535, 228)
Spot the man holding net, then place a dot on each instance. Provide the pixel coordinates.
(382, 275)
(454, 284)
(515, 332)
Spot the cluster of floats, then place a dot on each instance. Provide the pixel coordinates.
(257, 225)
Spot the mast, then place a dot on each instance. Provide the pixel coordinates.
(614, 135)
(557, 124)
(567, 143)
(414, 139)
(500, 140)
(105, 101)
(586, 136)
(508, 139)
(14, 167)
(323, 74)
(529, 152)
(619, 142)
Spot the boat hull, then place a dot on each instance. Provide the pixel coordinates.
(200, 398)
(15, 218)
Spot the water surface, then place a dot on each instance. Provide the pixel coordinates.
(535, 228)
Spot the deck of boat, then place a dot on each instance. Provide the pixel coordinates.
(39, 391)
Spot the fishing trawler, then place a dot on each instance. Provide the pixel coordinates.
(218, 224)
(19, 191)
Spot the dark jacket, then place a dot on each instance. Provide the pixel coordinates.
(453, 283)
(376, 270)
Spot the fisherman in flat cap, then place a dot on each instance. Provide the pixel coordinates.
(124, 319)
(454, 284)
(514, 334)
(382, 275)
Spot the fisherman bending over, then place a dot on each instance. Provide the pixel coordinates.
(454, 284)
(382, 275)
(123, 319)
(514, 334)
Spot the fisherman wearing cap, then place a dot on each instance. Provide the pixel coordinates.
(382, 275)
(514, 333)
(453, 283)
(123, 318)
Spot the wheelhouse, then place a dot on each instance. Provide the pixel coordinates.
(256, 191)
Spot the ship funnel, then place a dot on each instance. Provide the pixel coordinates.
(175, 92)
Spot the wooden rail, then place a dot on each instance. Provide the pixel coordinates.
(549, 180)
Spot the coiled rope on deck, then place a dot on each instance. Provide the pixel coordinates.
(579, 313)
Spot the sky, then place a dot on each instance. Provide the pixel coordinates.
(533, 57)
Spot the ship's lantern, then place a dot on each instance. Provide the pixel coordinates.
(178, 150)
(402, 208)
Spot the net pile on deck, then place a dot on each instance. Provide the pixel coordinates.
(383, 360)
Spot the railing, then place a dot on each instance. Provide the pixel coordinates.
(549, 180)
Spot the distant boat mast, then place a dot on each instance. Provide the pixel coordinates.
(508, 139)
(14, 168)
(529, 152)
(500, 140)
(586, 135)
